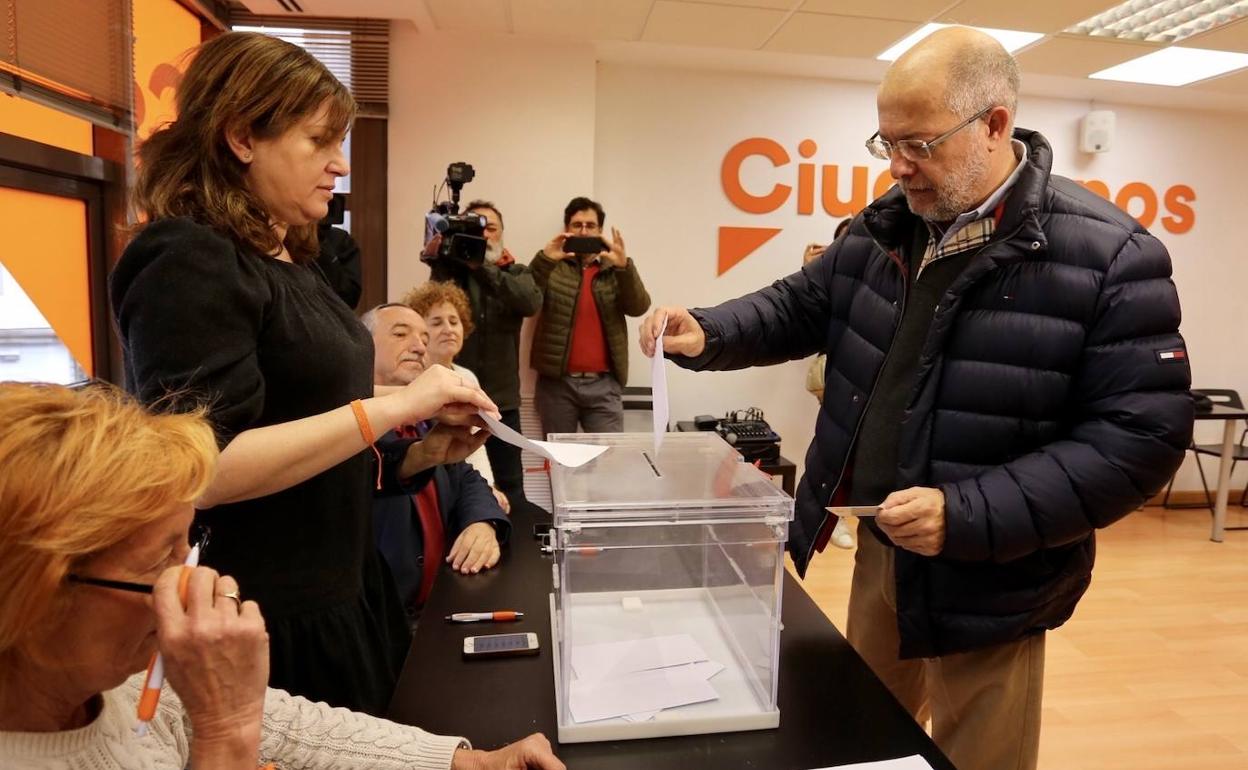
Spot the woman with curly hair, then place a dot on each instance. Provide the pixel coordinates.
(448, 315)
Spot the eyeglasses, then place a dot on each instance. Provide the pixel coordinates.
(915, 150)
(199, 537)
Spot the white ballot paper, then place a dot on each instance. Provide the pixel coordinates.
(571, 455)
(613, 659)
(637, 693)
(658, 390)
(912, 762)
(705, 669)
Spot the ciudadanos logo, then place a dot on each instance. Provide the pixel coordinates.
(799, 184)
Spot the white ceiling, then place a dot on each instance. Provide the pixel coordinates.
(823, 38)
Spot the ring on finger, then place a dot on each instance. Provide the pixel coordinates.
(238, 600)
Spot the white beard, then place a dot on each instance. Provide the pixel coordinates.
(493, 251)
(956, 195)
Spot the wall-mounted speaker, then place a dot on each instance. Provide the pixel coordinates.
(1096, 131)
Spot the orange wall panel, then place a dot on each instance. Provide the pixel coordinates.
(45, 249)
(29, 120)
(164, 32)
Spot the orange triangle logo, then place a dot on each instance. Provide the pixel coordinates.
(737, 243)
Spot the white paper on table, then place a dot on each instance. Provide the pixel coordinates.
(912, 762)
(613, 659)
(636, 693)
(564, 453)
(658, 390)
(704, 669)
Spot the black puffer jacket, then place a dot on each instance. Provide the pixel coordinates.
(1043, 408)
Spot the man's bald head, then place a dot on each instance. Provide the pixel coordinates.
(961, 69)
(957, 87)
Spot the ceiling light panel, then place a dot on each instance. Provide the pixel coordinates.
(1174, 66)
(1161, 21)
(1012, 39)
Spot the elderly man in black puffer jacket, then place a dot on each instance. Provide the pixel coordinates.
(997, 382)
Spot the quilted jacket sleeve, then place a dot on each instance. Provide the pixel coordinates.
(1131, 420)
(781, 322)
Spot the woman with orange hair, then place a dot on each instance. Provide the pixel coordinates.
(95, 503)
(448, 314)
(218, 300)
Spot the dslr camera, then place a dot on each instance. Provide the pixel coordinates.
(450, 236)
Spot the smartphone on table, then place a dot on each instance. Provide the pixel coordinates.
(500, 645)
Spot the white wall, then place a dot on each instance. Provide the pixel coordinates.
(521, 112)
(648, 143)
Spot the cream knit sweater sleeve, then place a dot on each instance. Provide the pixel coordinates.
(301, 735)
(296, 733)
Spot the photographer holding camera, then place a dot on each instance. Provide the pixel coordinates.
(580, 348)
(501, 293)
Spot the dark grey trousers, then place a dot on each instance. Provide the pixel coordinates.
(593, 402)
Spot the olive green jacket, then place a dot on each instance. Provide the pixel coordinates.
(618, 293)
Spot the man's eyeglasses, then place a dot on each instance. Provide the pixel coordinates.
(915, 150)
(199, 537)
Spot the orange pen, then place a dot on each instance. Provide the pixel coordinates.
(156, 668)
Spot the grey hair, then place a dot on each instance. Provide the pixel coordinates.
(982, 76)
(369, 319)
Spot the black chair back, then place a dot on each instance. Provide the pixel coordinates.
(1221, 396)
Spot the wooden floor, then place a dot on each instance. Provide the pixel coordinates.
(1152, 671)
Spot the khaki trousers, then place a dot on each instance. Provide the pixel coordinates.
(984, 705)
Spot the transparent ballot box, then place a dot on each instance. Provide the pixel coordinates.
(667, 585)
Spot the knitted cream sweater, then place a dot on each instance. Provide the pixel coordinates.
(296, 733)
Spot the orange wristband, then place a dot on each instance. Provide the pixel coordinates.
(366, 430)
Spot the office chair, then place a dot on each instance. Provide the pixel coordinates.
(1240, 452)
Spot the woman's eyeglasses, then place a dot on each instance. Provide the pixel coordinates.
(199, 537)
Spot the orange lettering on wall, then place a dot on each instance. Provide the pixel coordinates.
(806, 178)
(1098, 187)
(1183, 216)
(883, 183)
(832, 202)
(1132, 190)
(730, 175)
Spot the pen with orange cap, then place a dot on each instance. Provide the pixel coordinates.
(485, 617)
(156, 669)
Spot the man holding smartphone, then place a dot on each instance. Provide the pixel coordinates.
(580, 348)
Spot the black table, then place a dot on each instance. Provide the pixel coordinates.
(833, 710)
(1229, 415)
(783, 467)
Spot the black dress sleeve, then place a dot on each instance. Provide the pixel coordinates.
(190, 309)
(393, 450)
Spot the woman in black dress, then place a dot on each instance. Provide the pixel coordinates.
(219, 302)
